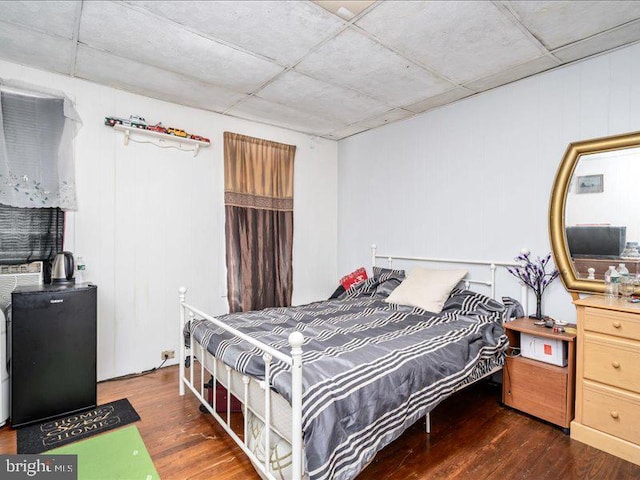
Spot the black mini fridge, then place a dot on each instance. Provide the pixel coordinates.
(52, 336)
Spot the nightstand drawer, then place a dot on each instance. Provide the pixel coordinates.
(536, 388)
(625, 325)
(612, 412)
(612, 361)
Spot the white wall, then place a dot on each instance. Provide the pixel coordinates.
(151, 219)
(473, 179)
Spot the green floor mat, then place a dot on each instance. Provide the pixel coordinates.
(117, 455)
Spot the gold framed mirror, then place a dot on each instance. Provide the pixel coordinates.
(594, 195)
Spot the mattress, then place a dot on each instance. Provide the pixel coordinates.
(280, 407)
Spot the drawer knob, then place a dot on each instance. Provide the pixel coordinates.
(616, 324)
(614, 414)
(615, 364)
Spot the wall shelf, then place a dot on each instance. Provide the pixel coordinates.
(162, 140)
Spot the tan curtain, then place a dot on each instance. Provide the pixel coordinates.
(258, 196)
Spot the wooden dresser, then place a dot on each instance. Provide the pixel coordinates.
(607, 414)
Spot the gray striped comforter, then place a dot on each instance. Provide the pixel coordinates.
(370, 369)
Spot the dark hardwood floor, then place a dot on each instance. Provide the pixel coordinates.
(473, 437)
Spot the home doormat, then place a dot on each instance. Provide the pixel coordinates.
(61, 431)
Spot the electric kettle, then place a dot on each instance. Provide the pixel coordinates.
(63, 268)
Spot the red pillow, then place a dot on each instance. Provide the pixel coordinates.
(357, 276)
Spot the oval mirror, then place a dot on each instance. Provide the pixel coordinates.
(594, 220)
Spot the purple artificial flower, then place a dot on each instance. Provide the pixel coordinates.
(533, 273)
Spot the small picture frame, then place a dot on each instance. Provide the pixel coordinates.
(590, 184)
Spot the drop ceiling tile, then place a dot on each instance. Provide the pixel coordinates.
(346, 9)
(353, 60)
(29, 47)
(388, 117)
(113, 71)
(283, 31)
(503, 77)
(439, 100)
(347, 132)
(460, 40)
(130, 33)
(624, 35)
(557, 23)
(261, 110)
(318, 98)
(55, 18)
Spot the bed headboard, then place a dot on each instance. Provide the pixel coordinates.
(491, 266)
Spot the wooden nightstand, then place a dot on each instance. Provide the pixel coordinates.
(537, 388)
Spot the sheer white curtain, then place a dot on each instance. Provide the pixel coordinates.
(37, 127)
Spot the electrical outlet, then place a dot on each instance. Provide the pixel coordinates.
(167, 354)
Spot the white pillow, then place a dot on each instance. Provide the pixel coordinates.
(425, 288)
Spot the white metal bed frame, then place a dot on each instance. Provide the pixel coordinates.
(294, 360)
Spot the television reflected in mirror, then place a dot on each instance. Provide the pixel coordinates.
(599, 241)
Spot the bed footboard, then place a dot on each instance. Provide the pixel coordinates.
(294, 360)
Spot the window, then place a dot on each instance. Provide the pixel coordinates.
(36, 171)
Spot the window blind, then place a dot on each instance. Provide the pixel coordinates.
(30, 234)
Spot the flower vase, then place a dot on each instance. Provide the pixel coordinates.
(538, 314)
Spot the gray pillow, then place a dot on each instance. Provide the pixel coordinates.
(388, 280)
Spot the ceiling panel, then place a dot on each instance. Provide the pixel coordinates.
(283, 31)
(353, 60)
(55, 18)
(310, 95)
(389, 116)
(460, 40)
(439, 100)
(629, 33)
(557, 23)
(129, 33)
(107, 69)
(345, 9)
(503, 77)
(297, 65)
(347, 132)
(29, 47)
(261, 110)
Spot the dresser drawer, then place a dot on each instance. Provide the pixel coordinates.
(620, 324)
(612, 412)
(612, 361)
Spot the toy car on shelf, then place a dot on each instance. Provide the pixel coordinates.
(111, 121)
(132, 121)
(199, 138)
(157, 128)
(135, 121)
(177, 132)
